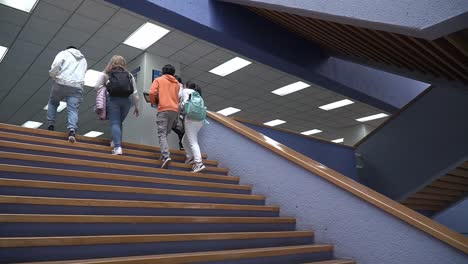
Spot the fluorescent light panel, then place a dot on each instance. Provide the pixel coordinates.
(23, 5)
(93, 134)
(230, 66)
(311, 132)
(275, 122)
(372, 117)
(339, 140)
(32, 124)
(337, 104)
(3, 52)
(291, 88)
(146, 35)
(60, 108)
(92, 77)
(228, 111)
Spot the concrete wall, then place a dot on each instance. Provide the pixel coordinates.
(422, 143)
(423, 18)
(357, 229)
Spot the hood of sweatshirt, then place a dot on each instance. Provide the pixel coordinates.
(170, 78)
(76, 53)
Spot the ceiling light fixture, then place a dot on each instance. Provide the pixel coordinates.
(336, 104)
(339, 140)
(291, 88)
(372, 117)
(32, 124)
(3, 52)
(311, 132)
(93, 134)
(230, 66)
(275, 122)
(228, 111)
(146, 35)
(23, 5)
(60, 108)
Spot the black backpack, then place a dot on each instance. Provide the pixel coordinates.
(120, 83)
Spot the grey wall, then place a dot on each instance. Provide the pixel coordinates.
(142, 130)
(356, 228)
(422, 143)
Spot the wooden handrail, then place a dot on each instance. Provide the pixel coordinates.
(390, 206)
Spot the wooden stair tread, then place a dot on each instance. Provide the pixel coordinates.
(424, 202)
(459, 172)
(426, 207)
(97, 164)
(85, 139)
(454, 179)
(435, 190)
(124, 239)
(198, 257)
(88, 146)
(124, 189)
(120, 177)
(108, 156)
(8, 199)
(50, 218)
(335, 261)
(438, 197)
(452, 186)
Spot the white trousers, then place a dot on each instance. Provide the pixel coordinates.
(190, 139)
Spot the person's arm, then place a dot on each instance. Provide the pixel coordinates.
(56, 65)
(101, 81)
(154, 90)
(135, 98)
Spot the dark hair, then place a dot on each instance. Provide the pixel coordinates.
(178, 78)
(191, 85)
(187, 84)
(168, 69)
(197, 89)
(71, 47)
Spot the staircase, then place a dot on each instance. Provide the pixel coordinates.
(67, 202)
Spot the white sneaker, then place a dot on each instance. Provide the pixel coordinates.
(112, 145)
(117, 151)
(198, 167)
(189, 161)
(165, 163)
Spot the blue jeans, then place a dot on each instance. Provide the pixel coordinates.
(72, 95)
(117, 108)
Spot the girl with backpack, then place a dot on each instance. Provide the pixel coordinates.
(192, 126)
(121, 93)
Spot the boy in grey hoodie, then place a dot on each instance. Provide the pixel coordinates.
(68, 74)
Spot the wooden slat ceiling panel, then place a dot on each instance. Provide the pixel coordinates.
(446, 57)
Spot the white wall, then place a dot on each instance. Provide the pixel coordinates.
(142, 130)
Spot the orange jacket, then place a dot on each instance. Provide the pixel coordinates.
(164, 92)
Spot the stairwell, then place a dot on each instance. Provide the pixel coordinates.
(75, 203)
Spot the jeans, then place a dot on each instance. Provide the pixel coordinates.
(165, 120)
(190, 139)
(72, 95)
(117, 108)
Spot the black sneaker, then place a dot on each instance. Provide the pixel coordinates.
(72, 136)
(165, 162)
(51, 128)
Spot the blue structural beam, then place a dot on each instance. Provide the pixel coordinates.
(428, 19)
(236, 28)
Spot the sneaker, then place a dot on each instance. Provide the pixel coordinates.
(198, 167)
(72, 136)
(51, 128)
(189, 161)
(112, 145)
(165, 163)
(117, 151)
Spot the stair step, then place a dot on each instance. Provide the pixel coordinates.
(61, 135)
(87, 165)
(433, 190)
(451, 186)
(73, 176)
(27, 225)
(460, 172)
(95, 156)
(96, 191)
(454, 179)
(335, 261)
(273, 255)
(90, 147)
(52, 205)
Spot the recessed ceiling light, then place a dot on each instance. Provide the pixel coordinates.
(23, 5)
(92, 77)
(275, 122)
(3, 52)
(337, 104)
(372, 117)
(32, 124)
(291, 88)
(230, 66)
(228, 111)
(311, 132)
(93, 134)
(146, 35)
(339, 140)
(60, 108)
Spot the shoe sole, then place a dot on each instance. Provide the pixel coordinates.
(199, 170)
(165, 164)
(72, 139)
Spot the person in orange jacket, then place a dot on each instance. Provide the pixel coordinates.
(164, 93)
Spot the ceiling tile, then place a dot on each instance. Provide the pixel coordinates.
(20, 56)
(203, 64)
(51, 13)
(69, 5)
(129, 53)
(271, 75)
(177, 40)
(198, 48)
(189, 73)
(84, 24)
(43, 62)
(220, 56)
(12, 16)
(184, 57)
(125, 21)
(92, 53)
(8, 33)
(96, 10)
(102, 43)
(39, 31)
(208, 77)
(162, 50)
(108, 32)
